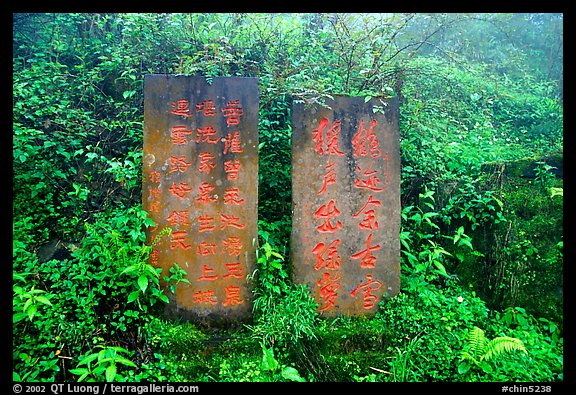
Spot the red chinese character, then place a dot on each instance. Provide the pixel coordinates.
(232, 296)
(206, 249)
(326, 212)
(178, 163)
(179, 217)
(204, 191)
(154, 257)
(328, 287)
(181, 107)
(327, 255)
(332, 135)
(204, 135)
(177, 240)
(155, 207)
(371, 285)
(206, 164)
(231, 197)
(180, 190)
(232, 169)
(369, 221)
(205, 297)
(234, 270)
(232, 112)
(207, 274)
(154, 176)
(232, 143)
(178, 135)
(367, 258)
(370, 182)
(206, 224)
(364, 136)
(154, 193)
(232, 246)
(207, 107)
(329, 177)
(318, 138)
(230, 221)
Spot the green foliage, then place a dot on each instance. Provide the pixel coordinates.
(285, 313)
(103, 294)
(271, 365)
(543, 175)
(177, 276)
(106, 369)
(26, 302)
(480, 351)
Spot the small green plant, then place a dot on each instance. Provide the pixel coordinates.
(106, 365)
(177, 275)
(479, 351)
(543, 175)
(26, 302)
(402, 364)
(272, 366)
(285, 312)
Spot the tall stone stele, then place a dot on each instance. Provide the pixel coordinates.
(346, 203)
(200, 181)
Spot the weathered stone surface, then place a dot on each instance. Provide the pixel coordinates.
(200, 179)
(346, 203)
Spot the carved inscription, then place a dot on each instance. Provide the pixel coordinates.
(346, 203)
(200, 179)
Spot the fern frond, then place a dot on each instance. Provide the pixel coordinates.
(501, 345)
(477, 342)
(466, 356)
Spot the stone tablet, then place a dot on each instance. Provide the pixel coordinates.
(200, 179)
(346, 203)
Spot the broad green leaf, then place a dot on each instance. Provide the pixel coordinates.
(82, 372)
(78, 371)
(486, 367)
(111, 372)
(27, 304)
(117, 349)
(143, 283)
(42, 299)
(291, 373)
(32, 311)
(126, 362)
(87, 359)
(268, 361)
(130, 269)
(277, 255)
(133, 296)
(463, 367)
(18, 317)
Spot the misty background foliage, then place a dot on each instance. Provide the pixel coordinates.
(481, 105)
